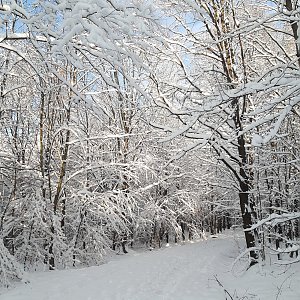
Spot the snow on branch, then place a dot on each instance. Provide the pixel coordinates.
(275, 219)
(9, 267)
(14, 8)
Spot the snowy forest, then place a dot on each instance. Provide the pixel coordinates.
(146, 123)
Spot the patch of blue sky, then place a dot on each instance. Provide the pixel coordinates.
(189, 22)
(193, 23)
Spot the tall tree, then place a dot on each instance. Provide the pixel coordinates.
(205, 116)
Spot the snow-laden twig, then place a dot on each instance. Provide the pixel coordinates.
(281, 285)
(222, 286)
(275, 219)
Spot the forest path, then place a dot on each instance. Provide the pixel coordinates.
(180, 272)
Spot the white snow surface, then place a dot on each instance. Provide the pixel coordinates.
(180, 272)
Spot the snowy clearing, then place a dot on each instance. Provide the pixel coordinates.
(178, 272)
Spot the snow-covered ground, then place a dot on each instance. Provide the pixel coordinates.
(182, 272)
